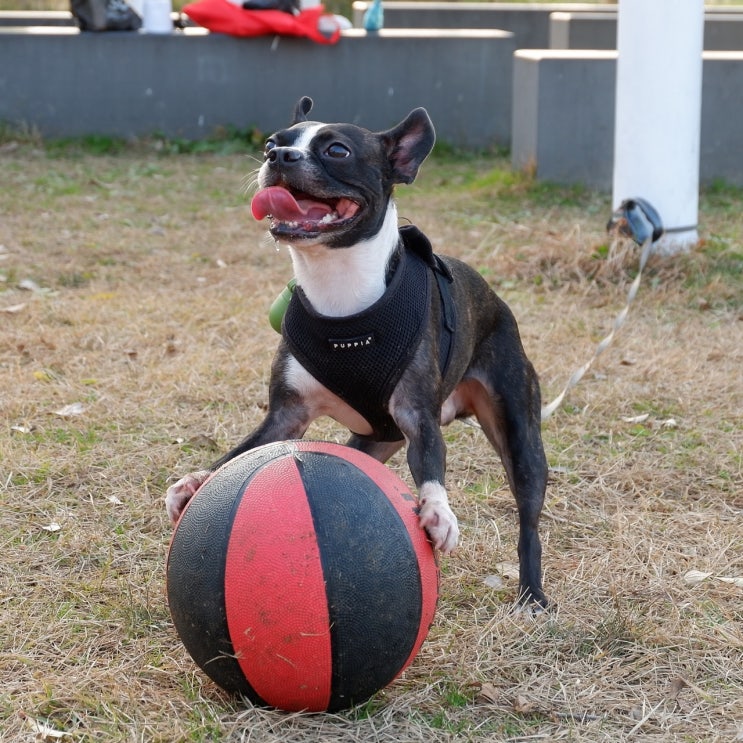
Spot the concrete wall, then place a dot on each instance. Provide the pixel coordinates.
(67, 83)
(721, 150)
(722, 31)
(36, 18)
(563, 116)
(559, 105)
(583, 31)
(528, 22)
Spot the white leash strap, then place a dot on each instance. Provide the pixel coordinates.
(637, 219)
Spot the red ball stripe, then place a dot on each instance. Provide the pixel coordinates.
(275, 593)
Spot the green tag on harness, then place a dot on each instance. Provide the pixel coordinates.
(278, 308)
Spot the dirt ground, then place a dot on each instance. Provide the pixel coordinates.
(134, 347)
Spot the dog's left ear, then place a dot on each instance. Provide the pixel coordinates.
(408, 144)
(303, 107)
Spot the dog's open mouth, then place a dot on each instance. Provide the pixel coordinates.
(298, 214)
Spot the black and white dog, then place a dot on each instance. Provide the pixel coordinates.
(384, 336)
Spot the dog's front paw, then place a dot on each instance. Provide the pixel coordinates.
(178, 495)
(437, 518)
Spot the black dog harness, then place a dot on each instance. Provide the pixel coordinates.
(362, 357)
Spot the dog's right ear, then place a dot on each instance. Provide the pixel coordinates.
(409, 144)
(303, 107)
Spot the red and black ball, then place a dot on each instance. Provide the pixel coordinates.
(298, 576)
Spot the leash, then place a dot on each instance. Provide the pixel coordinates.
(638, 220)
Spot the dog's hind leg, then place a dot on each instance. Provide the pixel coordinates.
(506, 400)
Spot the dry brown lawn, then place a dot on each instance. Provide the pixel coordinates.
(134, 345)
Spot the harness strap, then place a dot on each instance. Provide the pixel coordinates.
(415, 240)
(448, 317)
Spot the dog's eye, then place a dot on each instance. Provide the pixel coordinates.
(337, 150)
(270, 144)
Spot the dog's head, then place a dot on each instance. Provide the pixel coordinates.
(331, 184)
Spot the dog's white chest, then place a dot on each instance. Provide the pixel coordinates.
(343, 281)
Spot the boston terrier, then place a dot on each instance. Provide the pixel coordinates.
(385, 336)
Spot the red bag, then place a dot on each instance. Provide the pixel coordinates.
(222, 16)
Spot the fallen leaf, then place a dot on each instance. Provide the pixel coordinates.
(68, 411)
(669, 423)
(682, 683)
(488, 693)
(523, 706)
(509, 570)
(202, 441)
(676, 685)
(13, 309)
(43, 375)
(695, 577)
(735, 581)
(53, 527)
(637, 418)
(21, 429)
(44, 730)
(29, 285)
(494, 581)
(560, 470)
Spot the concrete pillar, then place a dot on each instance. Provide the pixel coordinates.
(658, 112)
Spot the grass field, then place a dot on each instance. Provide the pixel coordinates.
(134, 346)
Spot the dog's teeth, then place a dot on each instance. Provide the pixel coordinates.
(346, 208)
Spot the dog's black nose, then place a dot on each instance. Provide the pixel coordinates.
(284, 155)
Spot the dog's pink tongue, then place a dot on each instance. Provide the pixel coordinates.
(280, 204)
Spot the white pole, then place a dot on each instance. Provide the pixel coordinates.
(658, 112)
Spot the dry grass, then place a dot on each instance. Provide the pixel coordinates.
(154, 284)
